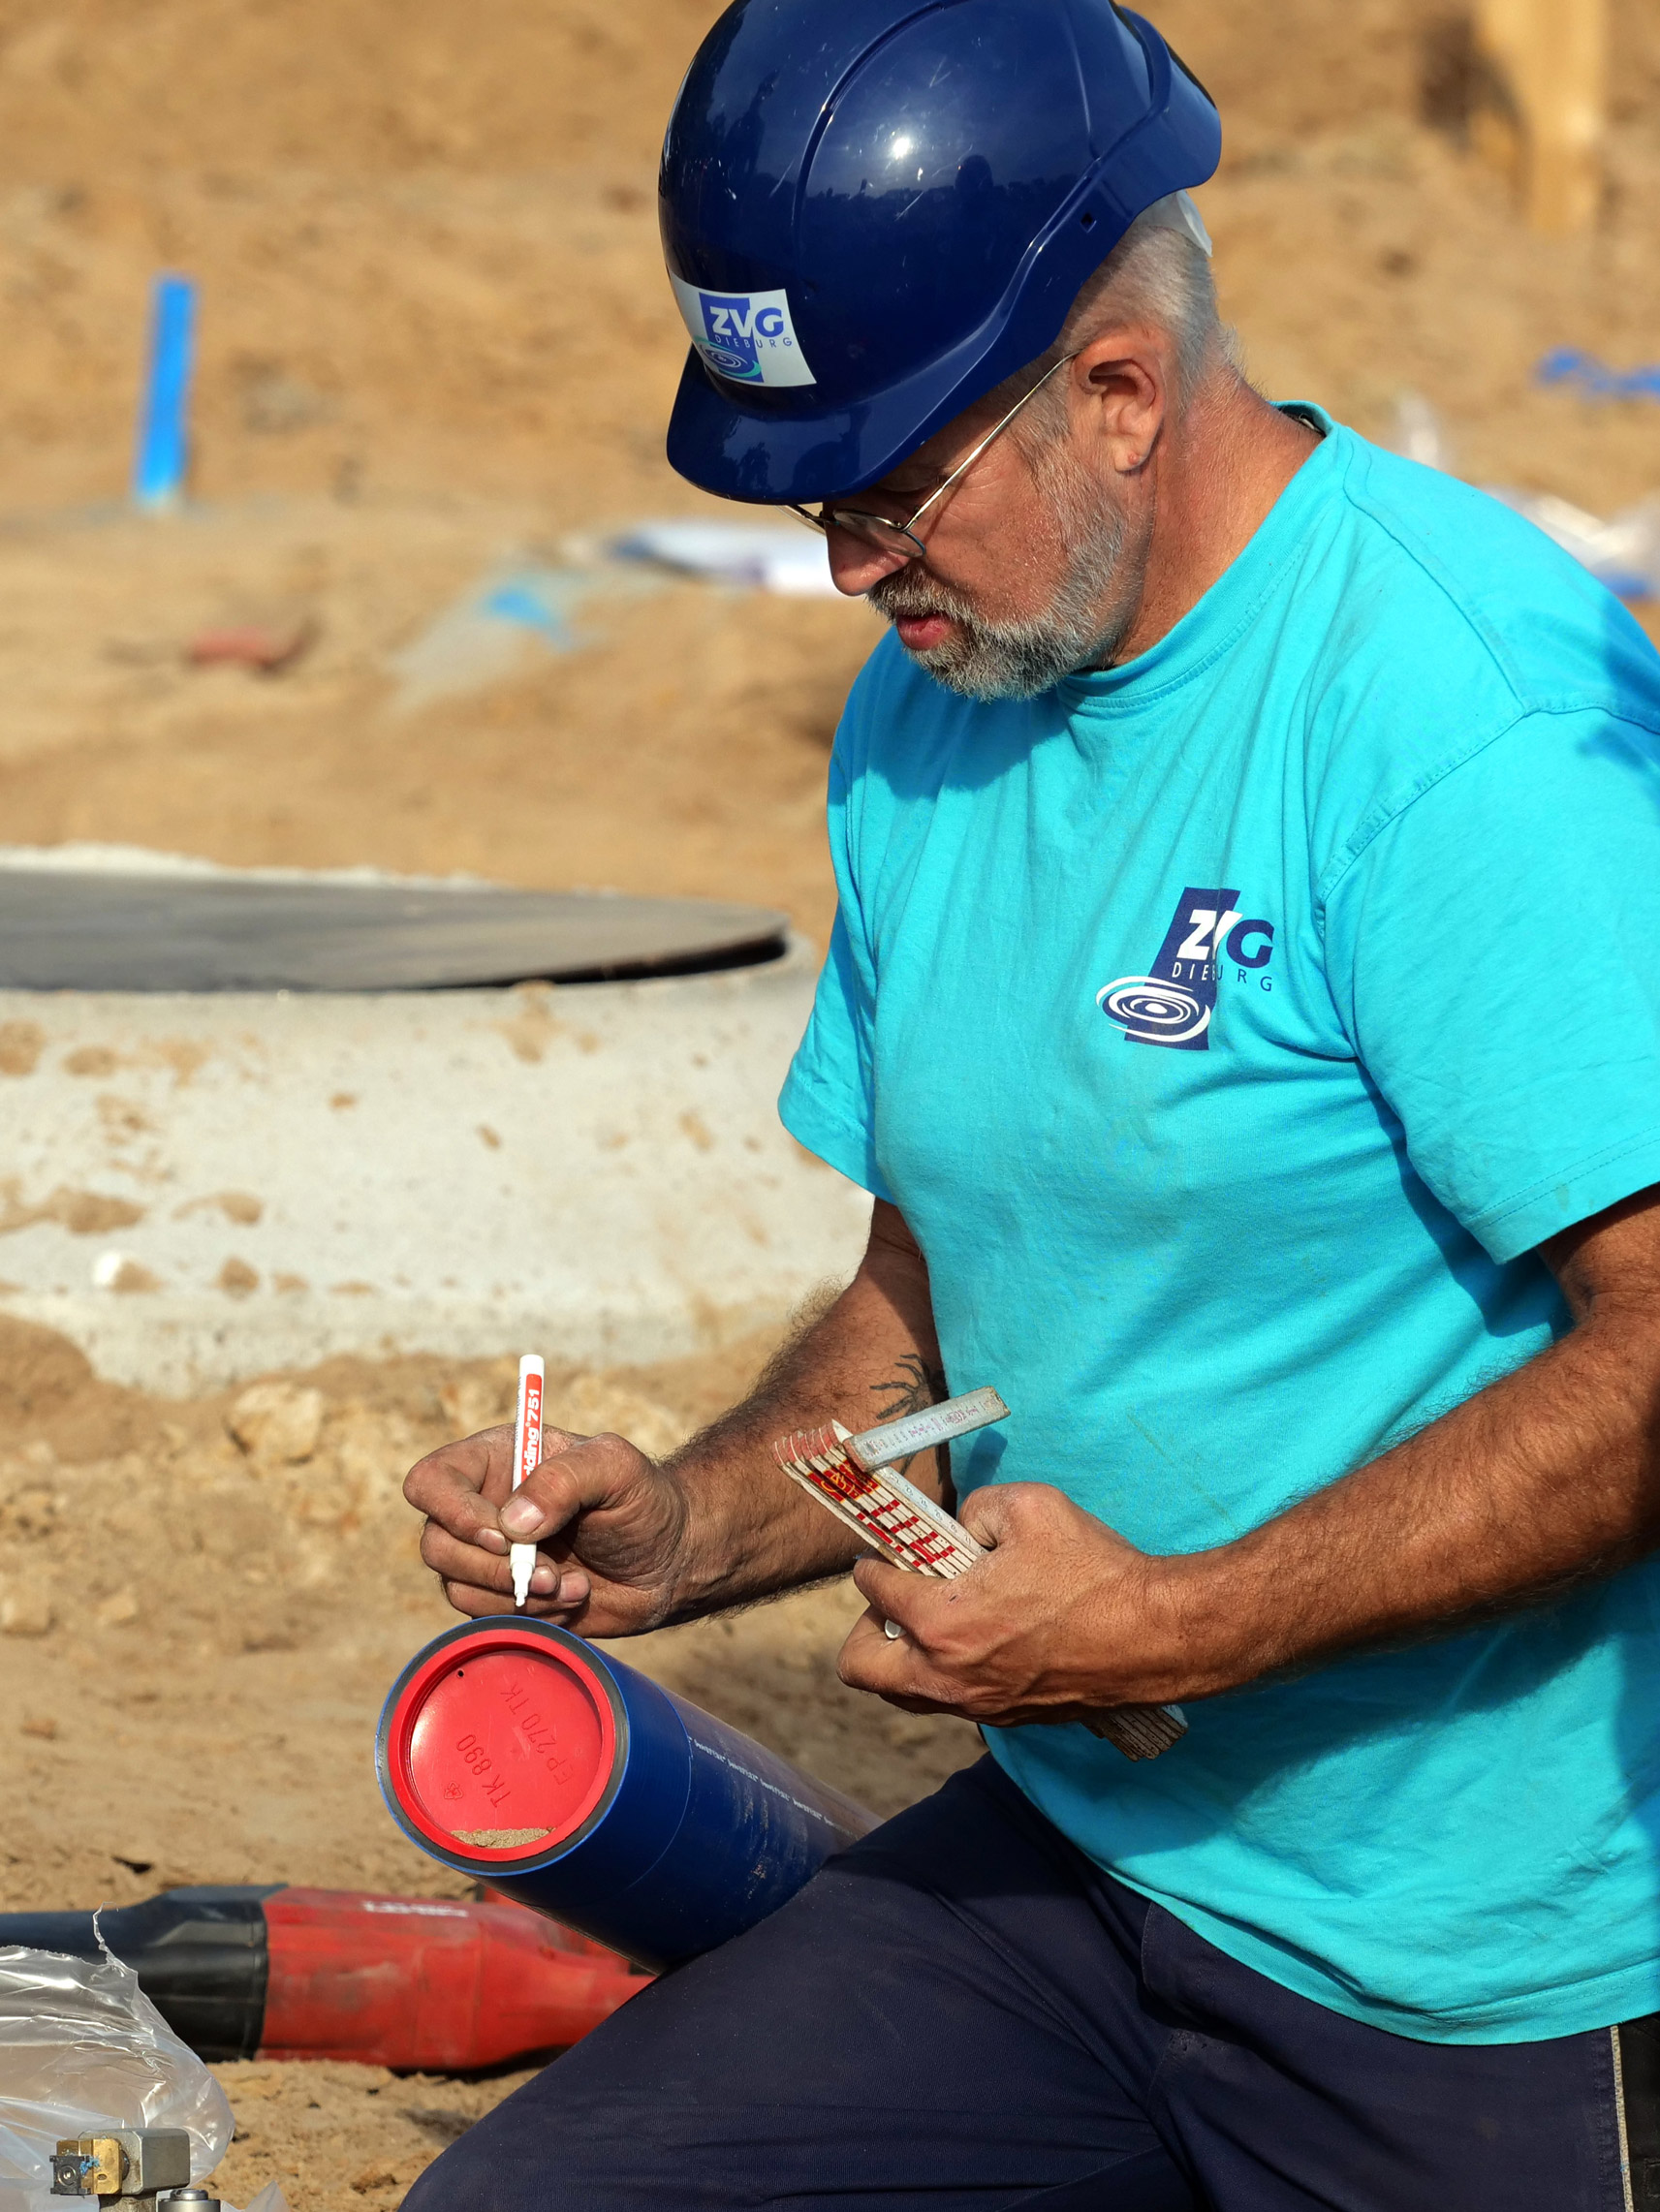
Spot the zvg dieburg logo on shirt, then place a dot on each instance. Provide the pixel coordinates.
(1173, 1005)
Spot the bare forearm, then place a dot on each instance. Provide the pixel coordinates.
(625, 1544)
(872, 1355)
(1547, 1478)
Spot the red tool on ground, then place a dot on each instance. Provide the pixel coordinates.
(431, 1984)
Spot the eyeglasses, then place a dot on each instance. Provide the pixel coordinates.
(899, 539)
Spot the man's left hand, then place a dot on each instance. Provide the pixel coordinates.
(1061, 1619)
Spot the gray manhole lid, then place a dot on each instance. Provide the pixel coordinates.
(98, 930)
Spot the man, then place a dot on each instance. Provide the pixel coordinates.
(1243, 1012)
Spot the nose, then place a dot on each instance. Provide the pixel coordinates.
(855, 564)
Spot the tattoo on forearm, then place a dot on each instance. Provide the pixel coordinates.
(912, 1386)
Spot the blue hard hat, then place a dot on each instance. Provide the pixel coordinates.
(875, 211)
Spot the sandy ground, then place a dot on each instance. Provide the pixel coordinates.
(436, 339)
(198, 1637)
(245, 1615)
(436, 346)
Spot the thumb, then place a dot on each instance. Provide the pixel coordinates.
(572, 1476)
(889, 1590)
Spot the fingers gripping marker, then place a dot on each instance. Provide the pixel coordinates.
(527, 1458)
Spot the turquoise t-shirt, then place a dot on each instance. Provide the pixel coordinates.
(1230, 1028)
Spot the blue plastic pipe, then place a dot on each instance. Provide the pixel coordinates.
(161, 456)
(516, 1753)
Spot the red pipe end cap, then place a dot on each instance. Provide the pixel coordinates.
(501, 1745)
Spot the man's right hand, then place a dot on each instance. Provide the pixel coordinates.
(626, 1545)
(609, 1525)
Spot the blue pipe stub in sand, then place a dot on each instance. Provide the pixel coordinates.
(513, 1751)
(162, 459)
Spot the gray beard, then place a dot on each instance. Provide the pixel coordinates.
(1082, 627)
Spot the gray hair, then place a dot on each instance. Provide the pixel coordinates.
(1158, 273)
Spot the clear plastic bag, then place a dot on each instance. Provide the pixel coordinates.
(81, 2046)
(1622, 553)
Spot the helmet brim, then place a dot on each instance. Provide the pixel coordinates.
(773, 460)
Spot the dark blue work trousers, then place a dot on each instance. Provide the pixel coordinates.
(964, 2012)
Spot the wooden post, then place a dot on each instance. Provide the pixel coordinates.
(1539, 115)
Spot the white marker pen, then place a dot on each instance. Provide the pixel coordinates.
(527, 1458)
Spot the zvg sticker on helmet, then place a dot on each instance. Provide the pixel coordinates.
(745, 336)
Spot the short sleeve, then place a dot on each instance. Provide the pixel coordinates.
(1494, 954)
(828, 1098)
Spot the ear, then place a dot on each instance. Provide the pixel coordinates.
(1122, 381)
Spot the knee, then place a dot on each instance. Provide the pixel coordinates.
(459, 2180)
(533, 2154)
